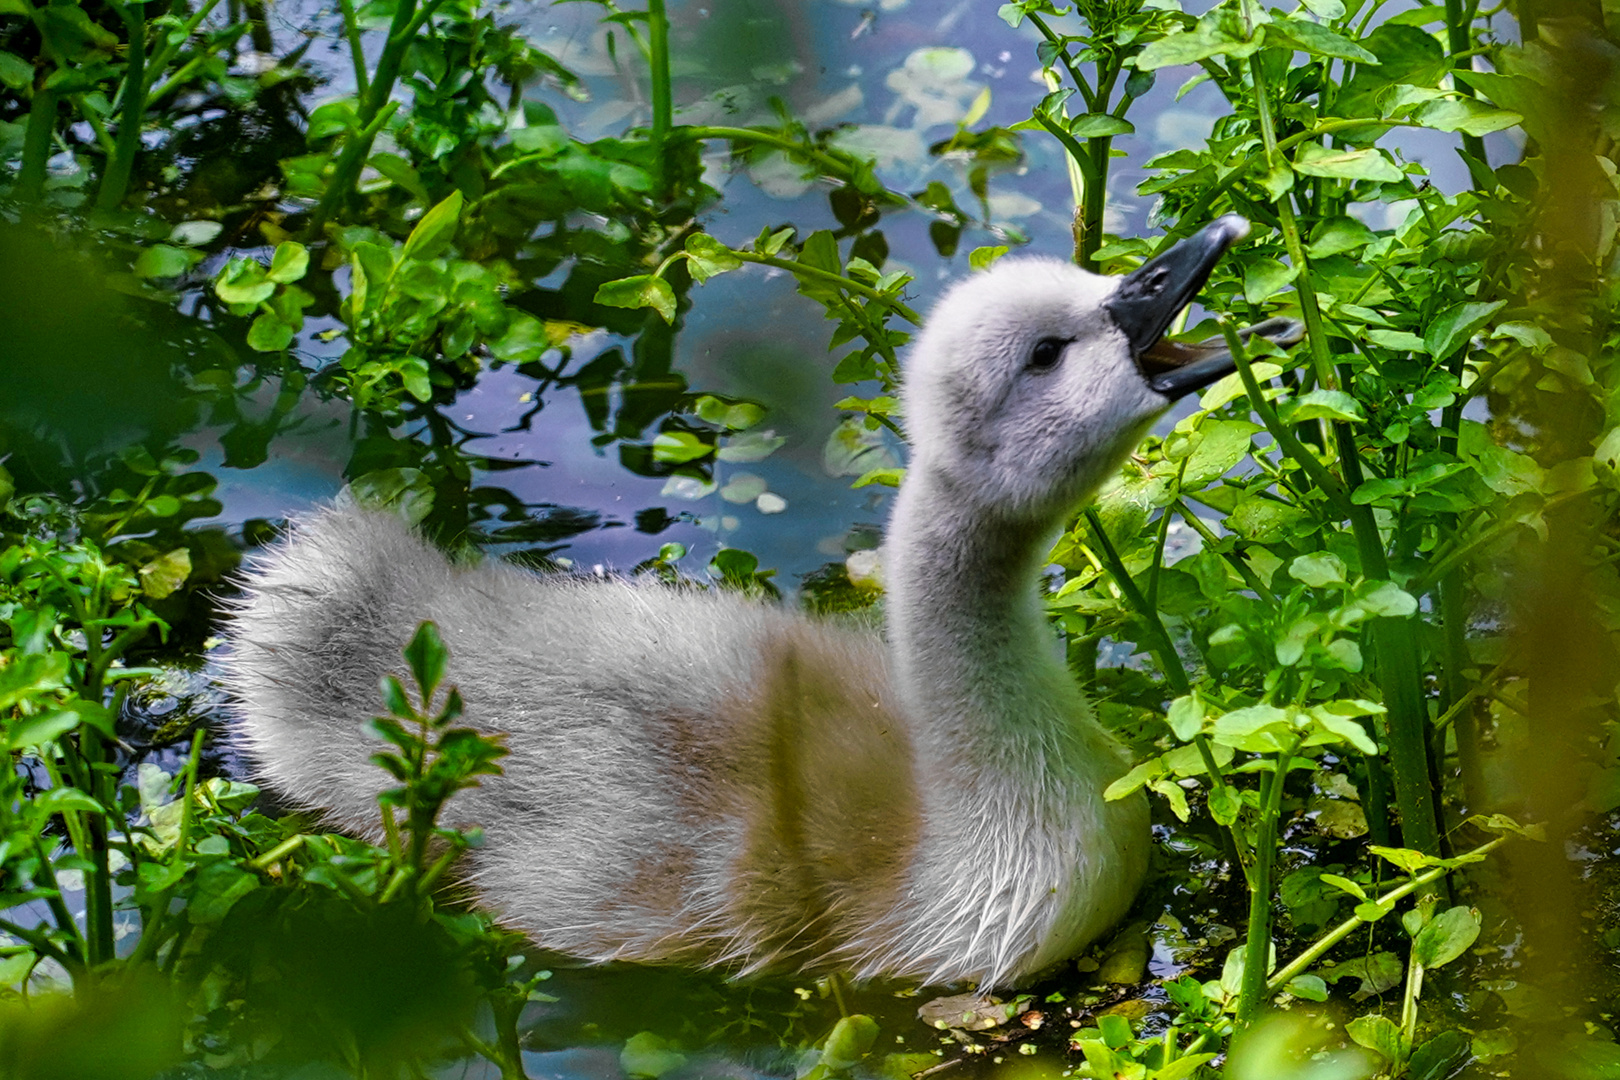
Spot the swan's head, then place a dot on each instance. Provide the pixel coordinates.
(1032, 380)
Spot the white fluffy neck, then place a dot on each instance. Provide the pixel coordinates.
(974, 658)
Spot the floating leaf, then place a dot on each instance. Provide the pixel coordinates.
(289, 263)
(982, 258)
(679, 447)
(164, 261)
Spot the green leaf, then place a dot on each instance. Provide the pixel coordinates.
(1379, 1034)
(1221, 445)
(268, 333)
(1466, 115)
(1099, 125)
(982, 258)
(401, 172)
(433, 233)
(1325, 9)
(165, 574)
(1344, 884)
(1317, 40)
(1344, 729)
(643, 290)
(15, 72)
(1320, 570)
(679, 447)
(1309, 987)
(42, 728)
(1225, 803)
(1453, 327)
(218, 887)
(1257, 729)
(850, 1040)
(1338, 235)
(1186, 716)
(289, 263)
(243, 281)
(1322, 405)
(1406, 858)
(1436, 1058)
(62, 799)
(427, 658)
(706, 257)
(1448, 935)
(1315, 160)
(164, 261)
(1216, 34)
(1265, 278)
(31, 674)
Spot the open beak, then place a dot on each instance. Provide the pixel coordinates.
(1148, 300)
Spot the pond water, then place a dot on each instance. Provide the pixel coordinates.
(899, 76)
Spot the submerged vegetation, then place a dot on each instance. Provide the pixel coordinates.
(1357, 611)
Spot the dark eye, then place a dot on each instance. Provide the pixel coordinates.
(1046, 354)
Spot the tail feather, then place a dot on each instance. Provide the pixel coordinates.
(322, 616)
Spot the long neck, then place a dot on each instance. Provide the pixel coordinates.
(974, 658)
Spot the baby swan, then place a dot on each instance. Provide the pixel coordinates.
(699, 778)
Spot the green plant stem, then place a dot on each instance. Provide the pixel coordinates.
(836, 167)
(830, 278)
(115, 180)
(1067, 61)
(1238, 562)
(65, 922)
(1257, 947)
(279, 852)
(658, 65)
(357, 54)
(165, 55)
(1350, 925)
(1160, 645)
(37, 141)
(1284, 436)
(1457, 43)
(375, 108)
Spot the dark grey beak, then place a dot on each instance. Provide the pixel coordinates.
(1149, 299)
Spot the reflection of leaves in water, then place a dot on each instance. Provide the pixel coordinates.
(547, 524)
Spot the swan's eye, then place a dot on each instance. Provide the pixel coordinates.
(1046, 354)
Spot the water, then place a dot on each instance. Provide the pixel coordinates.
(899, 76)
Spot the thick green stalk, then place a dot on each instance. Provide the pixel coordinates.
(37, 141)
(353, 156)
(115, 180)
(658, 63)
(1257, 947)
